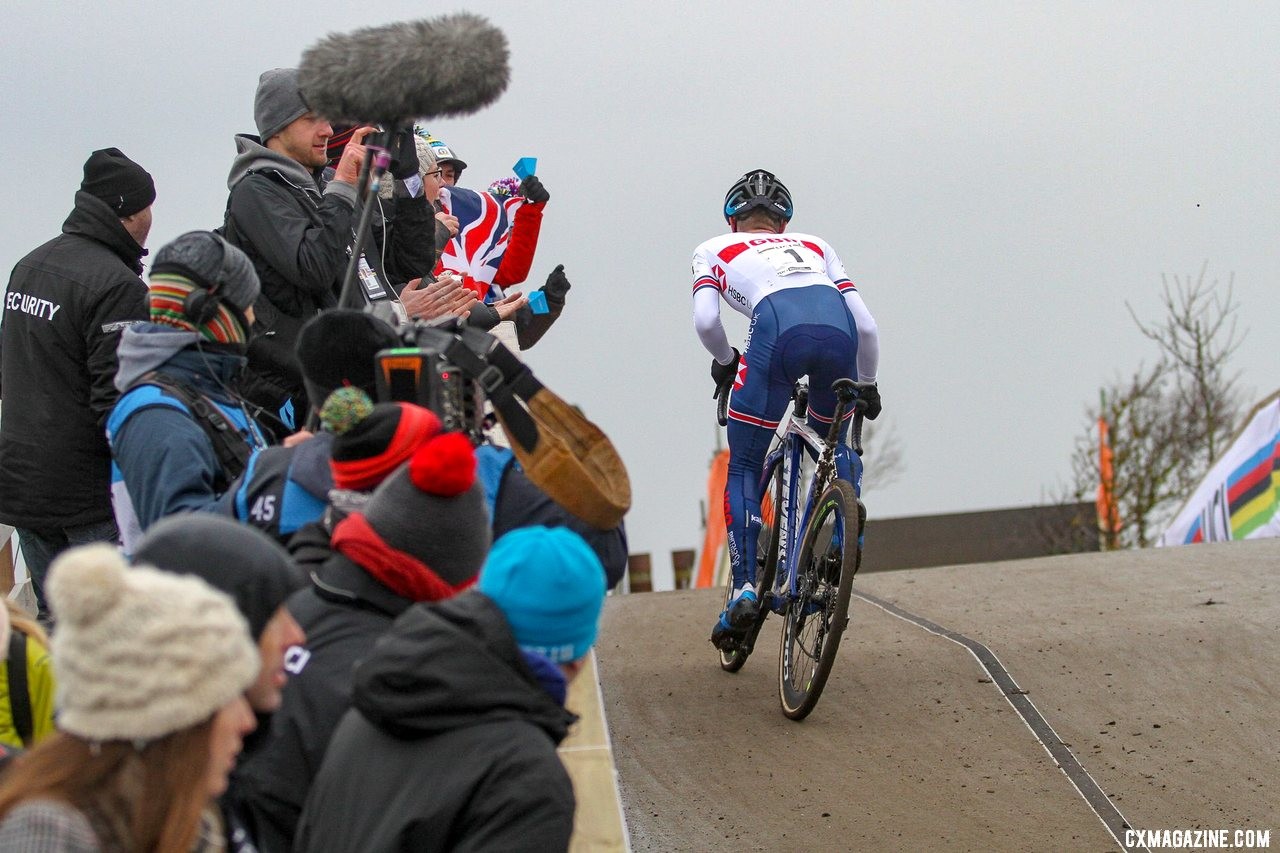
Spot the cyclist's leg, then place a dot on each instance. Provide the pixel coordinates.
(748, 445)
(831, 352)
(760, 396)
(848, 464)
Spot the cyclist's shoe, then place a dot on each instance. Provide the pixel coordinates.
(735, 621)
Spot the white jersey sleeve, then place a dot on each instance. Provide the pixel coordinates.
(703, 272)
(868, 336)
(706, 308)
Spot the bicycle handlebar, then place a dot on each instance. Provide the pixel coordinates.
(722, 404)
(859, 406)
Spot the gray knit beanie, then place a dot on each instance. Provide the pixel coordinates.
(242, 561)
(433, 508)
(209, 260)
(141, 653)
(278, 102)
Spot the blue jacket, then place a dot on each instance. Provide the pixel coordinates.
(283, 488)
(515, 502)
(163, 461)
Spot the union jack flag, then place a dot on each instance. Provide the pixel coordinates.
(484, 224)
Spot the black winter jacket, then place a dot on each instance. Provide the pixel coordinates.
(451, 745)
(66, 304)
(298, 230)
(297, 238)
(343, 613)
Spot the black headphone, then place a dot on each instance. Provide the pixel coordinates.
(201, 304)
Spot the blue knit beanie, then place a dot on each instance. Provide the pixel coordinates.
(550, 586)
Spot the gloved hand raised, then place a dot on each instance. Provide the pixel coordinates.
(723, 374)
(870, 395)
(533, 191)
(557, 286)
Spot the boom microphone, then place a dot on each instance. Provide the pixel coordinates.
(447, 66)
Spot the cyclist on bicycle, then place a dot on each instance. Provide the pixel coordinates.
(806, 319)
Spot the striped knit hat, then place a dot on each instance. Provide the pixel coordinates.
(168, 292)
(203, 260)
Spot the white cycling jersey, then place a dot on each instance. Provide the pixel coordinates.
(746, 267)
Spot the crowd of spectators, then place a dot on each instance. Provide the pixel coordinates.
(278, 606)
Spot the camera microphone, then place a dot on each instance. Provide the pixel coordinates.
(447, 66)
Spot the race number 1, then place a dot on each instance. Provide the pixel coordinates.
(788, 260)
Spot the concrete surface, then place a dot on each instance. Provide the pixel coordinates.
(587, 755)
(1160, 669)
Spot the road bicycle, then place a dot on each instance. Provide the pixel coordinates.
(806, 560)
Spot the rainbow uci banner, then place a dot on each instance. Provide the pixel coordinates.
(1240, 496)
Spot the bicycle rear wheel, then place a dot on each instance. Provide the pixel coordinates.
(766, 571)
(816, 618)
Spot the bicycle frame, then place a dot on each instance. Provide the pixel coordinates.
(798, 438)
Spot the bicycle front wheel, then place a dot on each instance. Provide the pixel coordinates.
(816, 617)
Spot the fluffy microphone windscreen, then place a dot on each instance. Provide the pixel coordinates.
(447, 66)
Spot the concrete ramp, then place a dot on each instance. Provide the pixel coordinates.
(1159, 670)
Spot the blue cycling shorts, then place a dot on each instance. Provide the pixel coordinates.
(805, 331)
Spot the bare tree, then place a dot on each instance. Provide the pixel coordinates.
(1167, 423)
(1150, 438)
(883, 457)
(1198, 336)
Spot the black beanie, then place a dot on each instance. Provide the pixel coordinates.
(125, 186)
(237, 559)
(337, 348)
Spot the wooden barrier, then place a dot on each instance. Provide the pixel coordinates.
(682, 568)
(639, 573)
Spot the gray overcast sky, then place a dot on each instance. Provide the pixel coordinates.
(999, 178)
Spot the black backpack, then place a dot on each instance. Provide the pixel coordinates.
(19, 692)
(229, 446)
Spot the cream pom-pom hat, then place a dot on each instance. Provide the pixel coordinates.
(140, 653)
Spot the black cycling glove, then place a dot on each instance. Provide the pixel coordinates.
(723, 374)
(871, 396)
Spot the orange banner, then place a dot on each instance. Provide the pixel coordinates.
(713, 542)
(1108, 514)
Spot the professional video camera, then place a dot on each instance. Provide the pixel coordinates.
(444, 367)
(453, 370)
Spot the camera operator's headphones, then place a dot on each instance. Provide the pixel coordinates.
(202, 303)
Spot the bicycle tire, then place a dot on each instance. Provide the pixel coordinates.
(766, 571)
(816, 618)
